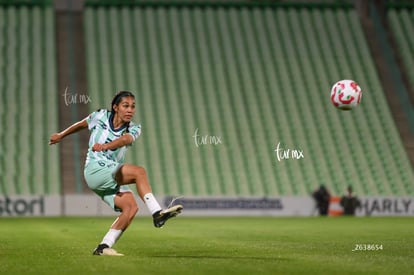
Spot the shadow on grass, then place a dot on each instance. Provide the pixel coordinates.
(210, 257)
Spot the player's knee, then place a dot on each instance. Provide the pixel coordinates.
(140, 171)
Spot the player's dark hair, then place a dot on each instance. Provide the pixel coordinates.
(117, 98)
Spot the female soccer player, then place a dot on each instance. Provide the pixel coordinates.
(112, 132)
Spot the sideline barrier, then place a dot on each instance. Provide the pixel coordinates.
(91, 205)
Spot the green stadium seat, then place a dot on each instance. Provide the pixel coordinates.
(401, 22)
(29, 101)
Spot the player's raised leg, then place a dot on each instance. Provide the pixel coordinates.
(128, 174)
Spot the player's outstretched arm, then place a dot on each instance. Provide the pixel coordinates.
(76, 127)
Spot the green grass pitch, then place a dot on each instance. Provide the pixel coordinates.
(190, 245)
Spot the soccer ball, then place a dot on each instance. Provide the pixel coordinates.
(346, 94)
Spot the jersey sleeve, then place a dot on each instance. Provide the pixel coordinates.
(94, 117)
(134, 130)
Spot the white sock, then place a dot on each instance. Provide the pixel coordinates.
(151, 203)
(112, 236)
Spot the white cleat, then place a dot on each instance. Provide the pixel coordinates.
(110, 252)
(105, 250)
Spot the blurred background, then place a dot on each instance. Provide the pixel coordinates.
(219, 86)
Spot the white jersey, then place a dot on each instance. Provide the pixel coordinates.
(102, 131)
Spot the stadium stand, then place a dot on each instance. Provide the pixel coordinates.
(219, 88)
(402, 22)
(28, 100)
(252, 78)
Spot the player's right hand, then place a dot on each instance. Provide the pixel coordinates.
(55, 138)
